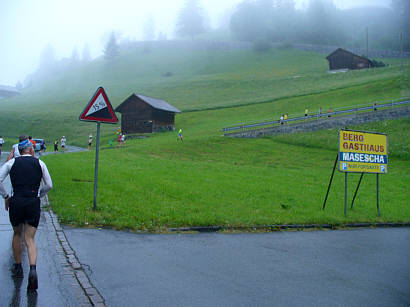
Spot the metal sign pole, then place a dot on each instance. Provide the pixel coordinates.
(345, 192)
(97, 150)
(357, 189)
(377, 183)
(330, 182)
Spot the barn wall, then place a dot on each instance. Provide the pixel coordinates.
(139, 117)
(131, 124)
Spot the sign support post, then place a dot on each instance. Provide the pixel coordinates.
(345, 193)
(99, 110)
(330, 182)
(357, 189)
(377, 184)
(97, 151)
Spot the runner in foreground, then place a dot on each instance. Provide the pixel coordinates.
(26, 173)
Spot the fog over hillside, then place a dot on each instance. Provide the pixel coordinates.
(79, 29)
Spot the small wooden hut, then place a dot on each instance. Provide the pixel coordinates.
(143, 114)
(342, 59)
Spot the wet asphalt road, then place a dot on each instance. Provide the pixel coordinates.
(361, 267)
(55, 283)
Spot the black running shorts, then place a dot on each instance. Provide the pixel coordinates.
(24, 210)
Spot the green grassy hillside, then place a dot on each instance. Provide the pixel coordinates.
(208, 179)
(200, 80)
(158, 182)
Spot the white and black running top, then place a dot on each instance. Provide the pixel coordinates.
(26, 173)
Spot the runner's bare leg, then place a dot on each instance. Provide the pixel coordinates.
(16, 243)
(29, 233)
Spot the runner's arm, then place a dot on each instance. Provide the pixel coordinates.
(48, 184)
(4, 171)
(11, 155)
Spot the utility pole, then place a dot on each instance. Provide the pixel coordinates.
(367, 42)
(401, 51)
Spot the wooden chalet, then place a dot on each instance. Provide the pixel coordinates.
(143, 114)
(343, 59)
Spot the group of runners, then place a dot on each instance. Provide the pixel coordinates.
(284, 117)
(23, 203)
(63, 143)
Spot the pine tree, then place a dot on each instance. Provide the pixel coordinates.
(111, 50)
(191, 19)
(47, 59)
(86, 56)
(75, 58)
(149, 28)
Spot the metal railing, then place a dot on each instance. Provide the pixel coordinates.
(387, 104)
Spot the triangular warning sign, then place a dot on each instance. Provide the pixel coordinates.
(99, 109)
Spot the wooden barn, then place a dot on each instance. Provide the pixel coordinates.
(143, 114)
(342, 59)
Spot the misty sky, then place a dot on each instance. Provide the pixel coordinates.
(27, 26)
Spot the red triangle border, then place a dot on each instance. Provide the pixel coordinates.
(112, 120)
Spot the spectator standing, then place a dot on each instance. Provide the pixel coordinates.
(285, 117)
(329, 112)
(306, 113)
(375, 106)
(281, 120)
(123, 139)
(55, 145)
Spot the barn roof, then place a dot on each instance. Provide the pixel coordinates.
(346, 51)
(153, 102)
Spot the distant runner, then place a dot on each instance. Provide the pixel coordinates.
(14, 153)
(119, 138)
(1, 144)
(179, 135)
(30, 138)
(62, 142)
(90, 141)
(123, 139)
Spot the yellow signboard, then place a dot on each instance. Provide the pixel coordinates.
(363, 152)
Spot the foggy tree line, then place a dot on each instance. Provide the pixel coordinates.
(321, 23)
(267, 21)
